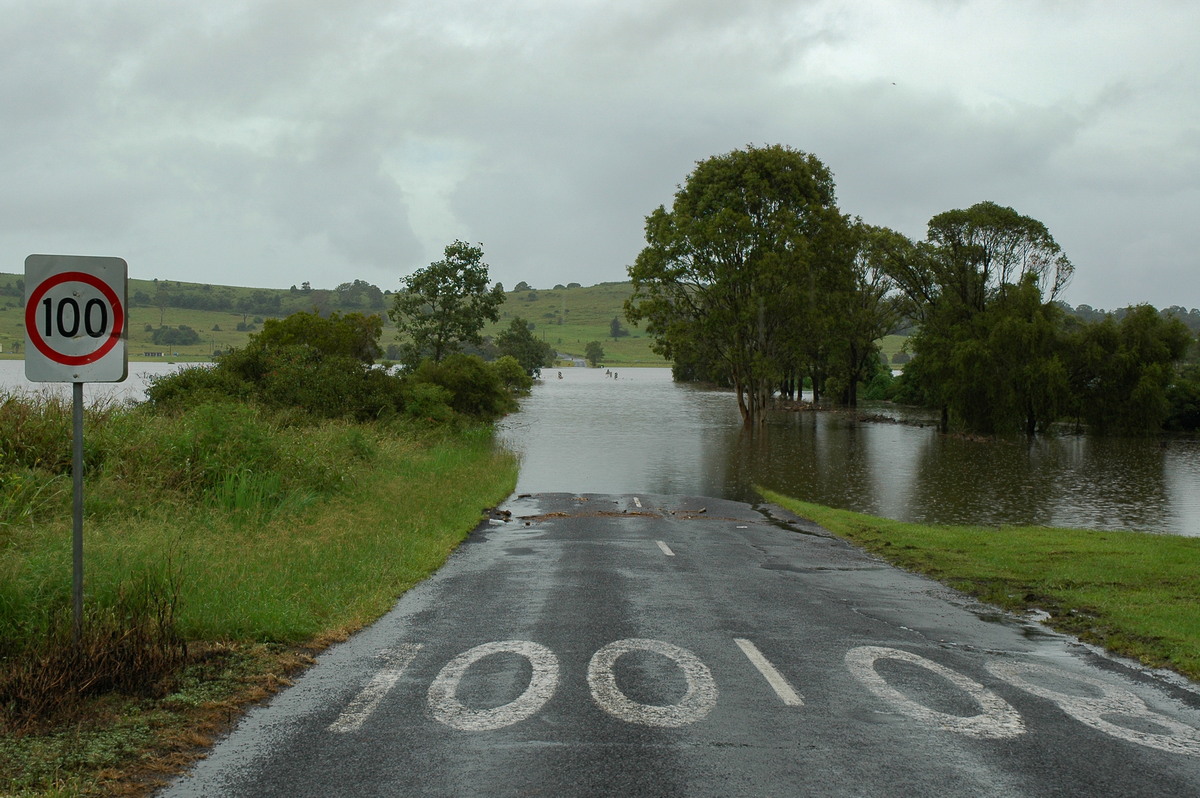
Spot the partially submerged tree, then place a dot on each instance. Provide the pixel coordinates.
(727, 274)
(445, 305)
(864, 308)
(984, 287)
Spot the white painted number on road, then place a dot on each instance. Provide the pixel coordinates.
(446, 707)
(700, 698)
(997, 720)
(354, 715)
(1099, 704)
(1108, 703)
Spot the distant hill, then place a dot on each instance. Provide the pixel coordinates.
(217, 317)
(568, 318)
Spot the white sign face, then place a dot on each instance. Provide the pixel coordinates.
(75, 319)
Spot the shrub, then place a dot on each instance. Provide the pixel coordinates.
(196, 385)
(428, 402)
(475, 387)
(513, 375)
(881, 387)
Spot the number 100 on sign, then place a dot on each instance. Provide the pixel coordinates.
(75, 318)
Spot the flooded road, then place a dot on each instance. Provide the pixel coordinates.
(588, 432)
(641, 432)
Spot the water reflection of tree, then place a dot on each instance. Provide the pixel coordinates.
(817, 457)
(1063, 481)
(918, 474)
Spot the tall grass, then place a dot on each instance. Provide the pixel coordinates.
(224, 523)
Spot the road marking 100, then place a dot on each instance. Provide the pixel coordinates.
(997, 719)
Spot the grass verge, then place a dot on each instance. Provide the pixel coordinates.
(1133, 593)
(253, 595)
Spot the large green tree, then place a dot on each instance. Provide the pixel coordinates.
(981, 286)
(982, 251)
(1123, 370)
(865, 307)
(726, 277)
(519, 342)
(444, 306)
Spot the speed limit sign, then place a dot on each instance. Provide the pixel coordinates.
(75, 319)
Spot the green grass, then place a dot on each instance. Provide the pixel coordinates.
(253, 540)
(567, 318)
(1131, 592)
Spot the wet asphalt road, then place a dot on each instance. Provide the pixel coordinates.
(669, 646)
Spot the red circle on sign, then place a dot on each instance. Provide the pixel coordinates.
(35, 335)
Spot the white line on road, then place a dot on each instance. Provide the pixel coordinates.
(774, 678)
(354, 715)
(637, 501)
(665, 548)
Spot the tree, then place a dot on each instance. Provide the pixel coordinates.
(727, 277)
(867, 307)
(986, 249)
(1122, 371)
(1009, 373)
(354, 335)
(445, 305)
(615, 330)
(518, 341)
(959, 285)
(593, 353)
(162, 300)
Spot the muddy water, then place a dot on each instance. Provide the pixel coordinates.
(642, 433)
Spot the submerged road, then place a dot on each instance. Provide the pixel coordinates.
(666, 646)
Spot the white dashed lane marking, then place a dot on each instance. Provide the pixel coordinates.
(665, 548)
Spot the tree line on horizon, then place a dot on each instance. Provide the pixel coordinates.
(755, 279)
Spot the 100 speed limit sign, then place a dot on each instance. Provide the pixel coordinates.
(75, 319)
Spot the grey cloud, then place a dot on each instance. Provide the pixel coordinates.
(276, 141)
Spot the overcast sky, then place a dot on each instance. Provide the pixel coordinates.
(269, 142)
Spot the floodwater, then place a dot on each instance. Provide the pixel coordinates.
(12, 377)
(642, 433)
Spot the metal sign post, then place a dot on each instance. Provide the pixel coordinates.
(75, 331)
